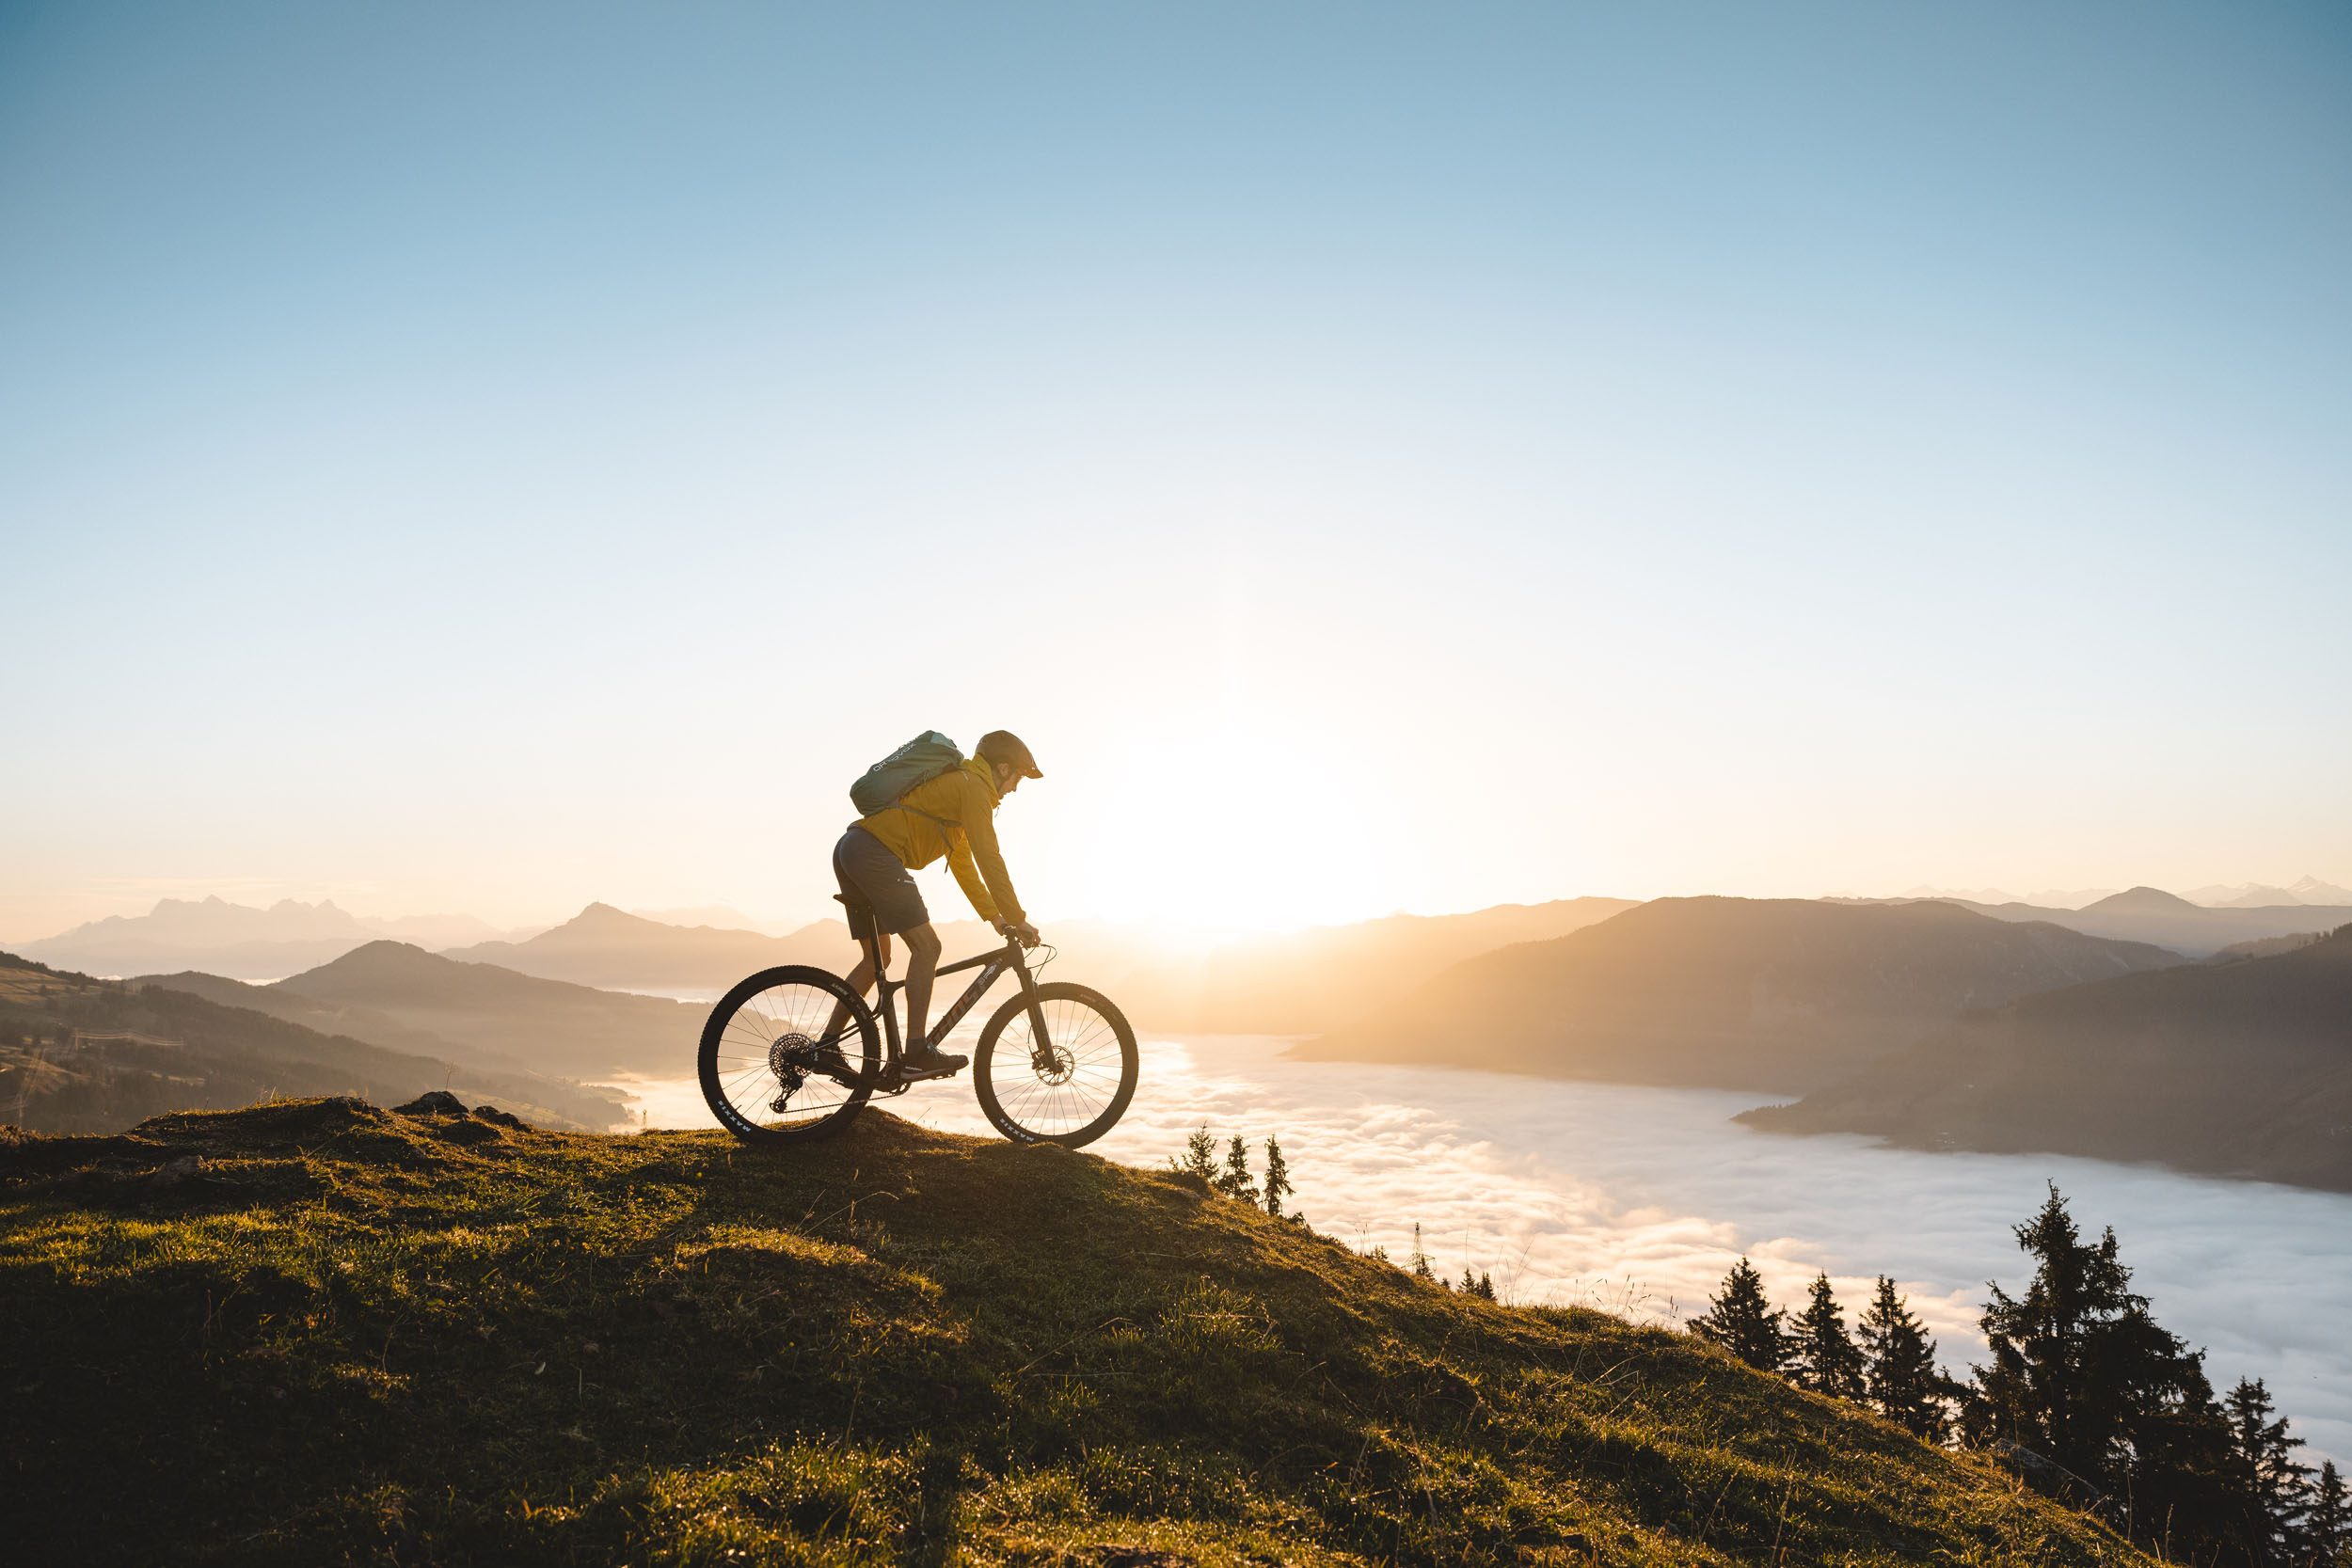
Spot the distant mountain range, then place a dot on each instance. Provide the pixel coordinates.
(1330, 977)
(1293, 983)
(610, 948)
(2246, 895)
(2234, 1068)
(2055, 898)
(218, 937)
(1729, 992)
(550, 1026)
(2152, 915)
(79, 1055)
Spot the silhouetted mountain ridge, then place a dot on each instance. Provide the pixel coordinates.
(2241, 1069)
(214, 936)
(1729, 992)
(79, 1054)
(606, 947)
(2152, 915)
(553, 1026)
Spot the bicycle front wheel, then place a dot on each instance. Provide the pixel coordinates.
(789, 1054)
(1068, 1089)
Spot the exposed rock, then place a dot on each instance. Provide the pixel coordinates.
(433, 1103)
(177, 1171)
(502, 1118)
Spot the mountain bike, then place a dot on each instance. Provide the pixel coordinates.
(1056, 1064)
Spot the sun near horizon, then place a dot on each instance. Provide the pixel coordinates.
(1384, 461)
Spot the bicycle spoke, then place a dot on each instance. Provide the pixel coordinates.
(767, 1041)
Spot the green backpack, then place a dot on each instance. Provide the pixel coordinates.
(919, 761)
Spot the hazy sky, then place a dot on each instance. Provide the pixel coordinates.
(492, 456)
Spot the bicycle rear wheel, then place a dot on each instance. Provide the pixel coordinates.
(1069, 1089)
(769, 1071)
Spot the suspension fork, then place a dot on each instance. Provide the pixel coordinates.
(1038, 1038)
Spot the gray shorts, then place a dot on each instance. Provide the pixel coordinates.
(873, 877)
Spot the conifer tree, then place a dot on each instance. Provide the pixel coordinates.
(2277, 1497)
(1200, 1155)
(1826, 1360)
(1898, 1375)
(2327, 1534)
(2083, 1376)
(1236, 1181)
(1278, 1177)
(1743, 1323)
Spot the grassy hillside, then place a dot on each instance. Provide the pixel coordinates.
(1763, 993)
(84, 1056)
(355, 1336)
(2237, 1069)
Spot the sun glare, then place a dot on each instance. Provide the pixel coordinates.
(1273, 831)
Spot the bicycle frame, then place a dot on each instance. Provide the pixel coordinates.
(991, 966)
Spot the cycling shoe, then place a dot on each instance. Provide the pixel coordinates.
(929, 1063)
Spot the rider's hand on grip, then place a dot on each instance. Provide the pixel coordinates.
(1019, 931)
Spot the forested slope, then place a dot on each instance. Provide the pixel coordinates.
(2237, 1069)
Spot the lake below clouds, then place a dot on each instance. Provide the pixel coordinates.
(1639, 1199)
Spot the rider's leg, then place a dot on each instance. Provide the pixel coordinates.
(922, 962)
(860, 981)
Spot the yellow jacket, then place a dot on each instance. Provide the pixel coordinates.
(954, 814)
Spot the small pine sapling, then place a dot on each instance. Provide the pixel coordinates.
(1236, 1181)
(1278, 1177)
(1200, 1156)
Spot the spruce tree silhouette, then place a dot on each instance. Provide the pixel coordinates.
(1278, 1177)
(1826, 1360)
(1236, 1181)
(1743, 1323)
(2083, 1376)
(1898, 1375)
(2326, 1535)
(2277, 1495)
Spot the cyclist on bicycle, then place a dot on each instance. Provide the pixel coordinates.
(952, 814)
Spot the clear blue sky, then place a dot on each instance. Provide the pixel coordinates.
(491, 456)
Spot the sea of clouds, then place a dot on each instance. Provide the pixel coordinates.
(1639, 1199)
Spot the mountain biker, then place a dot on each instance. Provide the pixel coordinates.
(951, 815)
